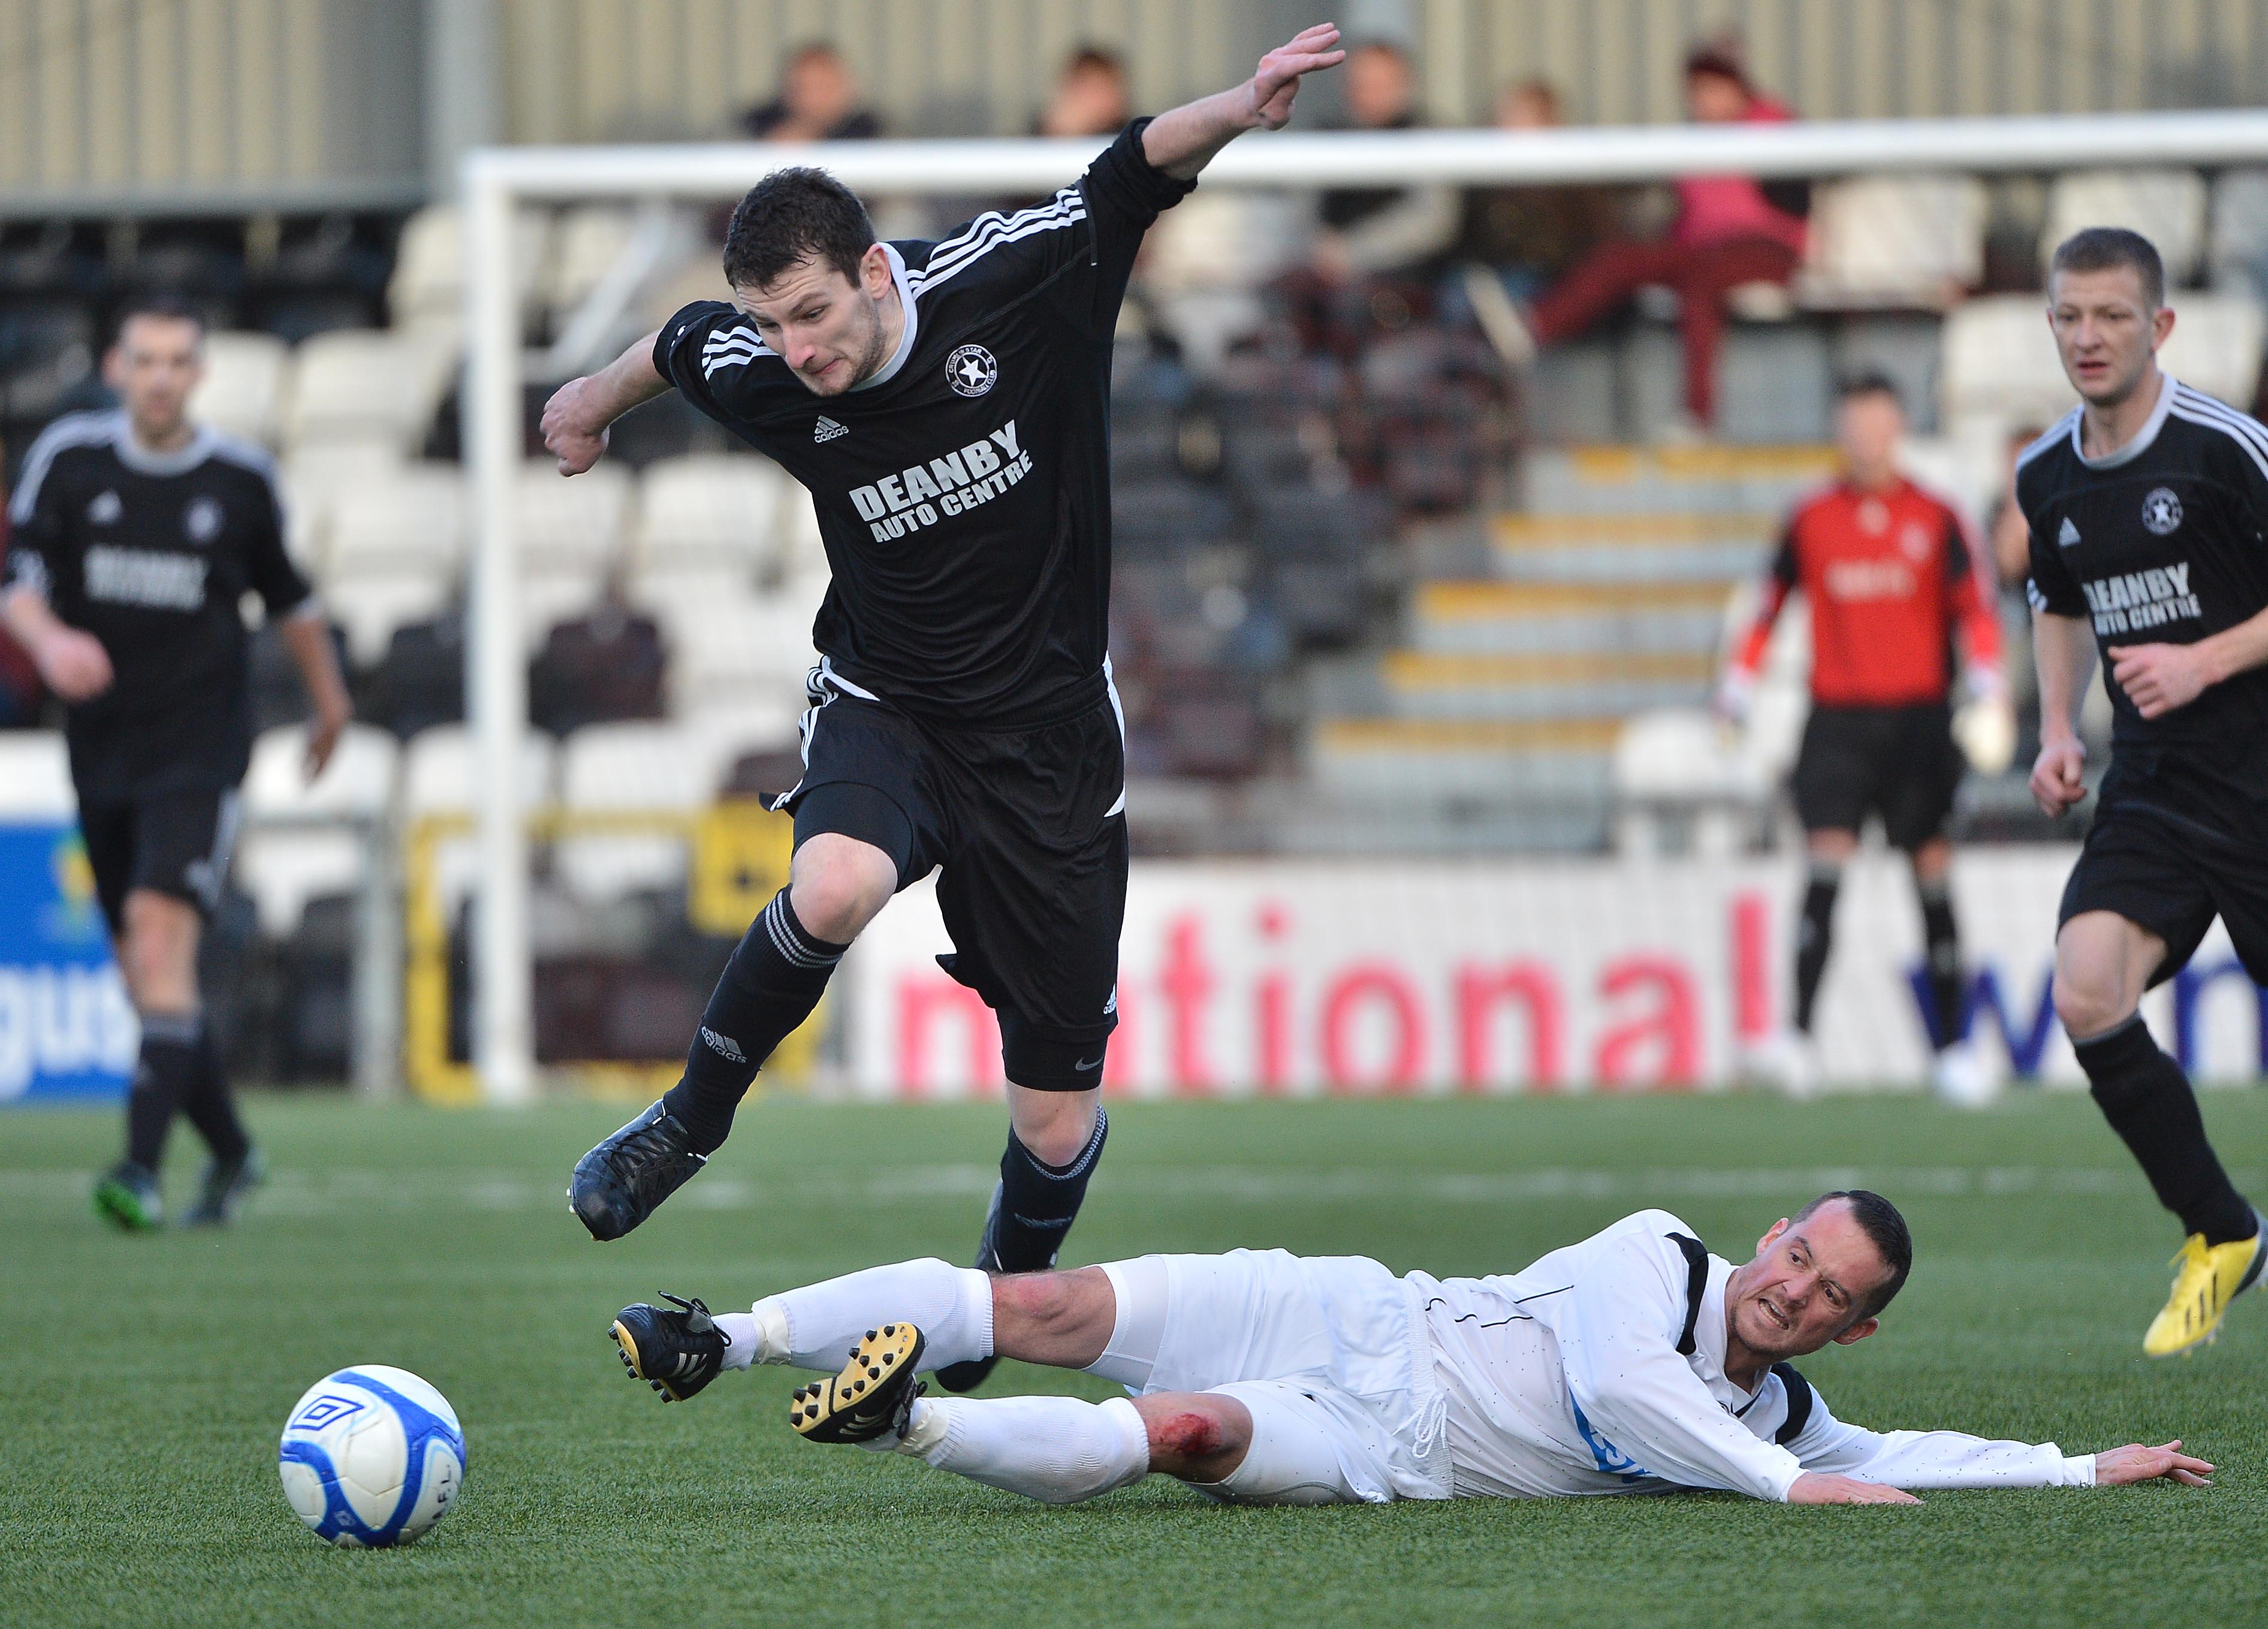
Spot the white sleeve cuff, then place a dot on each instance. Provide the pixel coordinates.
(2078, 1471)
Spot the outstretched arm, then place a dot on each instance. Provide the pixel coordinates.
(1182, 141)
(1833, 1451)
(575, 419)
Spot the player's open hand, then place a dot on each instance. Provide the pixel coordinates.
(1278, 80)
(2158, 678)
(1815, 1487)
(2057, 781)
(564, 435)
(323, 739)
(2118, 1466)
(73, 664)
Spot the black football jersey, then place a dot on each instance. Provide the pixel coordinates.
(2164, 541)
(963, 491)
(152, 553)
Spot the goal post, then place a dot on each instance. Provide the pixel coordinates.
(494, 181)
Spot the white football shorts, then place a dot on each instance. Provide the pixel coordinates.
(1330, 1354)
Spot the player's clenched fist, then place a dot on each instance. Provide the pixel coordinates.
(567, 434)
(73, 664)
(2159, 678)
(2056, 783)
(1815, 1487)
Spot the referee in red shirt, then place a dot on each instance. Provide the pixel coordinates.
(1887, 571)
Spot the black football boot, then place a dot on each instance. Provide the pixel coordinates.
(675, 1351)
(618, 1184)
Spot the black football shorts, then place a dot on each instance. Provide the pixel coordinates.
(176, 842)
(2169, 853)
(1900, 763)
(1028, 827)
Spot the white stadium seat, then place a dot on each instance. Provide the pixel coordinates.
(2238, 251)
(759, 648)
(718, 507)
(244, 386)
(427, 289)
(571, 526)
(2216, 344)
(662, 767)
(585, 242)
(284, 867)
(1999, 363)
(410, 516)
(1913, 241)
(371, 605)
(547, 601)
(438, 777)
(35, 781)
(2166, 206)
(367, 384)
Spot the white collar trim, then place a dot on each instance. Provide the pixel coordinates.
(2167, 385)
(888, 371)
(149, 462)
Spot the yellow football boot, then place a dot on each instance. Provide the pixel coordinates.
(2210, 1278)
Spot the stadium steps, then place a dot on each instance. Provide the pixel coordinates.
(1532, 635)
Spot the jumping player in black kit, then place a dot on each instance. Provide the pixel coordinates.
(136, 534)
(946, 404)
(2148, 512)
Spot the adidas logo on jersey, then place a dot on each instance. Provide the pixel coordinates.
(2069, 536)
(826, 429)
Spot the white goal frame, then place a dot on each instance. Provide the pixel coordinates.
(495, 179)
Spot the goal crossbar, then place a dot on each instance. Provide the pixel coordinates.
(495, 179)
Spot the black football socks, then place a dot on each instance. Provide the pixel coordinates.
(168, 1070)
(773, 979)
(207, 1104)
(1815, 935)
(2147, 1100)
(1941, 943)
(1038, 1200)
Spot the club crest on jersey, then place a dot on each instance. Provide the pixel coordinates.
(971, 371)
(1914, 542)
(2162, 511)
(201, 520)
(826, 429)
(105, 509)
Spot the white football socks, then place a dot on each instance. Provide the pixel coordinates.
(816, 1327)
(1057, 1450)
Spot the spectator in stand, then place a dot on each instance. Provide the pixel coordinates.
(1091, 97)
(1727, 233)
(1531, 236)
(818, 101)
(1381, 231)
(601, 667)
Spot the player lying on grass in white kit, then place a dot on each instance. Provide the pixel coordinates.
(1633, 1362)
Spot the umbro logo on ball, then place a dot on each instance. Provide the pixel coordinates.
(971, 371)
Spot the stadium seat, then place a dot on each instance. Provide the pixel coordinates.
(546, 600)
(755, 647)
(2238, 250)
(35, 781)
(245, 385)
(665, 769)
(320, 851)
(371, 604)
(412, 516)
(711, 507)
(439, 770)
(427, 290)
(370, 384)
(2166, 206)
(1677, 763)
(1898, 241)
(2216, 344)
(571, 528)
(1999, 363)
(732, 727)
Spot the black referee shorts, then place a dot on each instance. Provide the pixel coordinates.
(2169, 853)
(176, 842)
(1900, 763)
(1029, 827)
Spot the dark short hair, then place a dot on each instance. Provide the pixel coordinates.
(795, 215)
(158, 302)
(2106, 249)
(1879, 1219)
(1094, 59)
(1720, 59)
(1869, 382)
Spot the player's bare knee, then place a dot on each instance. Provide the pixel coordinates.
(2090, 1001)
(1053, 1317)
(838, 885)
(1053, 1126)
(1194, 1435)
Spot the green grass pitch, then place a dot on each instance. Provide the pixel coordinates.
(148, 1377)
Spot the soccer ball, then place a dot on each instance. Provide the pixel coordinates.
(371, 1455)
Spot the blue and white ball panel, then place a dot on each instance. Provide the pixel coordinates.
(373, 1456)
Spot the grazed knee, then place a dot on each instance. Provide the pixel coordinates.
(1189, 1434)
